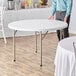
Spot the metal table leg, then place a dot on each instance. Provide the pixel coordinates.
(36, 41)
(14, 45)
(41, 46)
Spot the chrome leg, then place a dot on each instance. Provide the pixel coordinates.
(41, 46)
(14, 45)
(36, 41)
(4, 34)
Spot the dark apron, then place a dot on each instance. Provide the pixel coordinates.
(60, 16)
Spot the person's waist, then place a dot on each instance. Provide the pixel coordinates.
(61, 9)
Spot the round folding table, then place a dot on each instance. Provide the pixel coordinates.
(36, 25)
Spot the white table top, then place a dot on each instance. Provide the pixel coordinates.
(65, 57)
(67, 44)
(37, 25)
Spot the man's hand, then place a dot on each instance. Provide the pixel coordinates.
(65, 19)
(51, 17)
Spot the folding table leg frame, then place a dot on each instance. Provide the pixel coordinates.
(41, 38)
(14, 45)
(36, 41)
(41, 46)
(36, 38)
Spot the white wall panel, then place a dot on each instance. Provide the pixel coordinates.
(72, 27)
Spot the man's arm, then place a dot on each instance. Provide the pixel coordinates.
(69, 8)
(53, 9)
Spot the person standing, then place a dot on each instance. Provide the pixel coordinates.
(62, 10)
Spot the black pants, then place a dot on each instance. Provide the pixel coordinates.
(60, 16)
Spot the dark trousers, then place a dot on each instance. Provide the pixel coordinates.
(60, 16)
